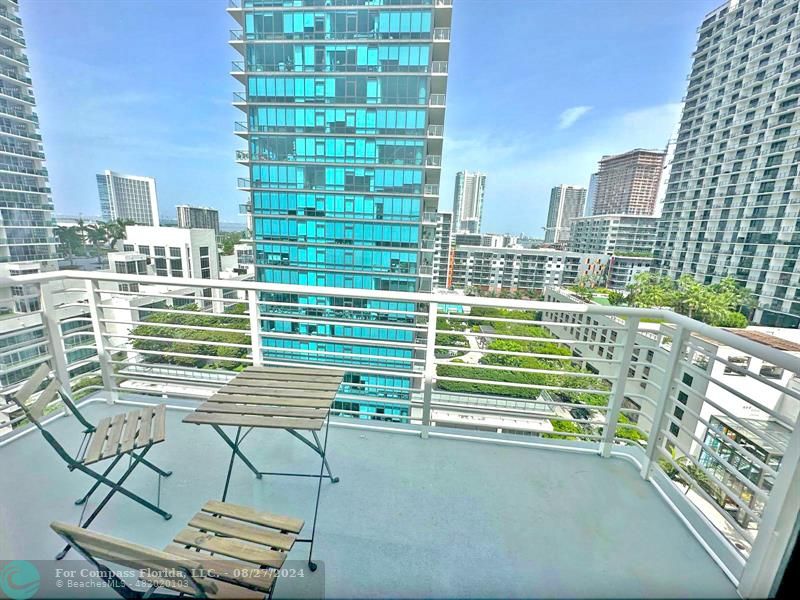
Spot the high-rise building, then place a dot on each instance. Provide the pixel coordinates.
(442, 245)
(468, 202)
(628, 183)
(344, 118)
(566, 204)
(27, 242)
(591, 196)
(197, 217)
(731, 207)
(128, 197)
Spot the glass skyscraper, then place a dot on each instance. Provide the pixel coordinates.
(344, 105)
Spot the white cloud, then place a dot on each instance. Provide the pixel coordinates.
(520, 172)
(571, 115)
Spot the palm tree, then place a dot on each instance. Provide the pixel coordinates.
(70, 241)
(116, 231)
(97, 235)
(82, 229)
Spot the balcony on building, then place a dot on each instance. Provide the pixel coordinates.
(539, 493)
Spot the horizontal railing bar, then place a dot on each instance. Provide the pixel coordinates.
(350, 368)
(73, 319)
(323, 307)
(146, 293)
(182, 354)
(349, 341)
(178, 311)
(569, 357)
(172, 367)
(340, 354)
(530, 386)
(641, 397)
(440, 361)
(172, 326)
(521, 338)
(640, 413)
(179, 341)
(468, 317)
(351, 323)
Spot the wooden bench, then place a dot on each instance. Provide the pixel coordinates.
(225, 551)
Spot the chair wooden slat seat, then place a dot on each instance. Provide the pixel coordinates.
(235, 555)
(126, 432)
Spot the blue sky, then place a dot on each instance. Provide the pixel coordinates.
(538, 91)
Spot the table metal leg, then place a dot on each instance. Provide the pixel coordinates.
(312, 565)
(325, 458)
(235, 447)
(230, 464)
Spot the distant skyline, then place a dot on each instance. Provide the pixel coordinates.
(536, 106)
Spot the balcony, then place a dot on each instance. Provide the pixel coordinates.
(563, 479)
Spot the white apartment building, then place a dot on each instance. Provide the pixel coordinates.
(732, 206)
(614, 234)
(128, 197)
(622, 270)
(171, 251)
(566, 204)
(468, 202)
(512, 269)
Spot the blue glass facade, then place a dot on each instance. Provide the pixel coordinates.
(343, 116)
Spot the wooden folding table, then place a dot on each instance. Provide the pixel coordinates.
(291, 398)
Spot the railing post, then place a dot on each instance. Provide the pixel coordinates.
(654, 440)
(55, 340)
(769, 554)
(255, 327)
(99, 330)
(429, 374)
(618, 387)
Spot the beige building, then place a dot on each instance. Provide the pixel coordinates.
(628, 183)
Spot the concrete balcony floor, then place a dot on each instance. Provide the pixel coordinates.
(410, 517)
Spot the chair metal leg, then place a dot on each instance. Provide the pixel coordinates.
(97, 483)
(116, 486)
(158, 470)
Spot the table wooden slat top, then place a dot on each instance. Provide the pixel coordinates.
(272, 397)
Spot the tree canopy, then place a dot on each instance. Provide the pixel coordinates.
(719, 304)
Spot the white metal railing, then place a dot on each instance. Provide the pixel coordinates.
(718, 439)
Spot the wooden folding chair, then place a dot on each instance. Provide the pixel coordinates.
(129, 435)
(226, 551)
